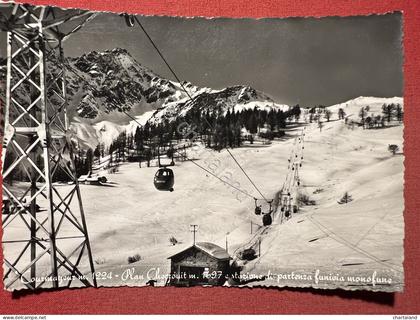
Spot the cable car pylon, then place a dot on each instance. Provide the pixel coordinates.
(52, 247)
(292, 180)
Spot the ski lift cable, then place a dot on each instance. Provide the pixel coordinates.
(231, 185)
(131, 117)
(163, 58)
(250, 180)
(190, 97)
(67, 66)
(134, 119)
(206, 170)
(290, 166)
(290, 179)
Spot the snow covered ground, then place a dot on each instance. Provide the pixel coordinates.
(105, 132)
(361, 237)
(130, 217)
(358, 238)
(352, 107)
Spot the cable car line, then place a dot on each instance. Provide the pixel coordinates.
(164, 177)
(163, 58)
(209, 172)
(256, 188)
(191, 98)
(132, 118)
(231, 185)
(67, 66)
(292, 180)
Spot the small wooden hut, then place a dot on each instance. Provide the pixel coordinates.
(203, 263)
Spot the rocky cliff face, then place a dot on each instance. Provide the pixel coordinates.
(102, 82)
(103, 86)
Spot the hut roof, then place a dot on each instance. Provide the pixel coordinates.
(209, 248)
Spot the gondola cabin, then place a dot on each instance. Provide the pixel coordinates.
(164, 179)
(267, 220)
(201, 264)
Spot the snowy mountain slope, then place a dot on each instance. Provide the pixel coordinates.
(103, 82)
(117, 82)
(104, 132)
(236, 98)
(362, 236)
(353, 106)
(105, 85)
(101, 85)
(132, 217)
(359, 237)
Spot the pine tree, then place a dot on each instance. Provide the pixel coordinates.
(237, 134)
(346, 198)
(296, 112)
(399, 112)
(252, 123)
(368, 122)
(89, 159)
(387, 110)
(97, 152)
(328, 114)
(138, 139)
(320, 125)
(393, 148)
(272, 120)
(362, 115)
(341, 113)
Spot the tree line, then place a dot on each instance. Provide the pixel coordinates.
(390, 112)
(216, 130)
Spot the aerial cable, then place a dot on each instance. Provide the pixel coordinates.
(134, 119)
(206, 170)
(190, 97)
(252, 182)
(163, 58)
(231, 185)
(186, 92)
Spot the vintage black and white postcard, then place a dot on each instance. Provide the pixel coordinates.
(170, 151)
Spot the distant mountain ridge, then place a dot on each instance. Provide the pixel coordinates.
(102, 86)
(100, 83)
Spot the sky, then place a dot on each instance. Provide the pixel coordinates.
(308, 61)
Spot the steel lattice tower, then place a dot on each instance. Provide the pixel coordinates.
(45, 237)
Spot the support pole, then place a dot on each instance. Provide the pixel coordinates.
(194, 228)
(39, 152)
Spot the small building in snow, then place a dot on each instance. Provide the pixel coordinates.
(203, 263)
